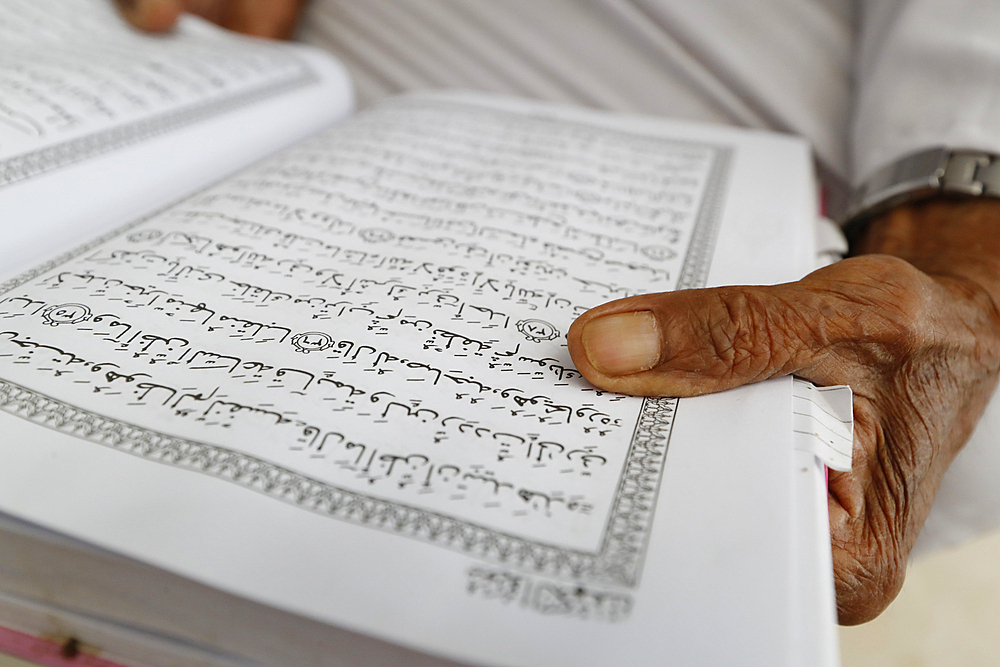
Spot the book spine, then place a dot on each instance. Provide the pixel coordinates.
(51, 653)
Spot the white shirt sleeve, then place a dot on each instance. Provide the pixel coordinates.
(927, 73)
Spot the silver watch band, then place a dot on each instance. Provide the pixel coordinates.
(921, 175)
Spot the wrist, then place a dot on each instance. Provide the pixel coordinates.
(945, 237)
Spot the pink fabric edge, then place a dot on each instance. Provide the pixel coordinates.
(46, 652)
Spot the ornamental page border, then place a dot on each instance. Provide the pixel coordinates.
(617, 562)
(34, 163)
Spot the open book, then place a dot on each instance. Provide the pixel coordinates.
(318, 409)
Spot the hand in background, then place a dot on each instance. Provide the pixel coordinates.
(915, 332)
(261, 18)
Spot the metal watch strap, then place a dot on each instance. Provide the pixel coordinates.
(921, 175)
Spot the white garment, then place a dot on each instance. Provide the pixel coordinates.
(697, 59)
(928, 74)
(910, 74)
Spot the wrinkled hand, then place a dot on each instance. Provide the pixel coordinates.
(915, 332)
(261, 18)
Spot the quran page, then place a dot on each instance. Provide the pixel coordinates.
(337, 383)
(100, 123)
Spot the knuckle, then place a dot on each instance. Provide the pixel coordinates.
(776, 332)
(888, 307)
(741, 337)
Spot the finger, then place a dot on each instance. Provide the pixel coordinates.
(263, 18)
(152, 15)
(698, 341)
(211, 10)
(837, 325)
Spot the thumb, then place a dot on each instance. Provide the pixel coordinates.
(152, 15)
(695, 342)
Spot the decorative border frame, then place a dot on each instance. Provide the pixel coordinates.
(48, 158)
(619, 559)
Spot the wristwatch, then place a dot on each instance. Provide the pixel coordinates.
(919, 176)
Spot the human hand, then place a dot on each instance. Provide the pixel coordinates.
(261, 18)
(914, 330)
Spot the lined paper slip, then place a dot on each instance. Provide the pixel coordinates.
(823, 420)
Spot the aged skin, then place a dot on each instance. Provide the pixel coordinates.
(261, 18)
(910, 322)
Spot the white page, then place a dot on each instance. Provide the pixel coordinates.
(75, 76)
(100, 124)
(818, 640)
(209, 418)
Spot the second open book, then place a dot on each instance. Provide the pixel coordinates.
(334, 385)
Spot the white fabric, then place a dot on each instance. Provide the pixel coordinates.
(698, 59)
(928, 74)
(911, 74)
